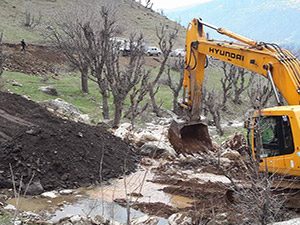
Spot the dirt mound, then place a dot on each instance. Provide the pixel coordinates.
(58, 153)
(36, 60)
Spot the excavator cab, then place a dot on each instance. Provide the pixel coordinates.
(272, 140)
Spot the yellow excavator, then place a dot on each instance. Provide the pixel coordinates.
(277, 145)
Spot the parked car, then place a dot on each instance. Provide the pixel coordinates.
(180, 52)
(153, 51)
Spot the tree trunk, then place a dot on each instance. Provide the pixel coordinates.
(118, 112)
(1, 54)
(176, 108)
(216, 118)
(105, 107)
(84, 80)
(153, 102)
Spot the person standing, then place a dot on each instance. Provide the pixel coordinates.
(23, 45)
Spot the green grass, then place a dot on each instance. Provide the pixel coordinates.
(131, 18)
(68, 88)
(5, 219)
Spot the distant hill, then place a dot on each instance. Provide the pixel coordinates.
(262, 20)
(132, 16)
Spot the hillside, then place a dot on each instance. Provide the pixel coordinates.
(132, 16)
(262, 20)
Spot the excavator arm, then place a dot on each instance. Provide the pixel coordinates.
(278, 65)
(269, 60)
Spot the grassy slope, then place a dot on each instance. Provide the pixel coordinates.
(133, 17)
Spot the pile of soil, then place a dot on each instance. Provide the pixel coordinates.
(55, 152)
(37, 60)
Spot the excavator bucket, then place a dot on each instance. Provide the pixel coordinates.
(189, 137)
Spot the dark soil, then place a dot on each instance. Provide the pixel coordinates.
(155, 209)
(58, 153)
(37, 60)
(41, 60)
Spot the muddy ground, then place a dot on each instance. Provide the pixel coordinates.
(38, 148)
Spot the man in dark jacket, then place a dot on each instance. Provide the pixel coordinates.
(23, 44)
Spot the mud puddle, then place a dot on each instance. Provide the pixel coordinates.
(101, 200)
(64, 206)
(138, 188)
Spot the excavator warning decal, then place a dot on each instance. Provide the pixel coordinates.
(226, 54)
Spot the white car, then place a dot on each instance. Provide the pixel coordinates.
(180, 52)
(153, 51)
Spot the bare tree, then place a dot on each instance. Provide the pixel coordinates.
(253, 195)
(85, 36)
(100, 38)
(239, 83)
(227, 81)
(167, 38)
(149, 4)
(176, 87)
(69, 38)
(1, 54)
(137, 96)
(122, 80)
(212, 104)
(259, 93)
(31, 18)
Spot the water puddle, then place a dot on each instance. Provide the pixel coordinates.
(100, 200)
(37, 204)
(139, 188)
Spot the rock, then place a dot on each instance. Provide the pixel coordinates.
(65, 109)
(114, 223)
(16, 84)
(17, 221)
(145, 220)
(144, 137)
(66, 218)
(66, 192)
(49, 194)
(226, 162)
(126, 126)
(155, 148)
(216, 146)
(75, 219)
(35, 188)
(106, 123)
(236, 142)
(84, 118)
(295, 221)
(179, 218)
(121, 132)
(147, 161)
(231, 154)
(221, 218)
(50, 90)
(10, 207)
(98, 220)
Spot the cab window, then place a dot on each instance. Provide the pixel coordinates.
(276, 136)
